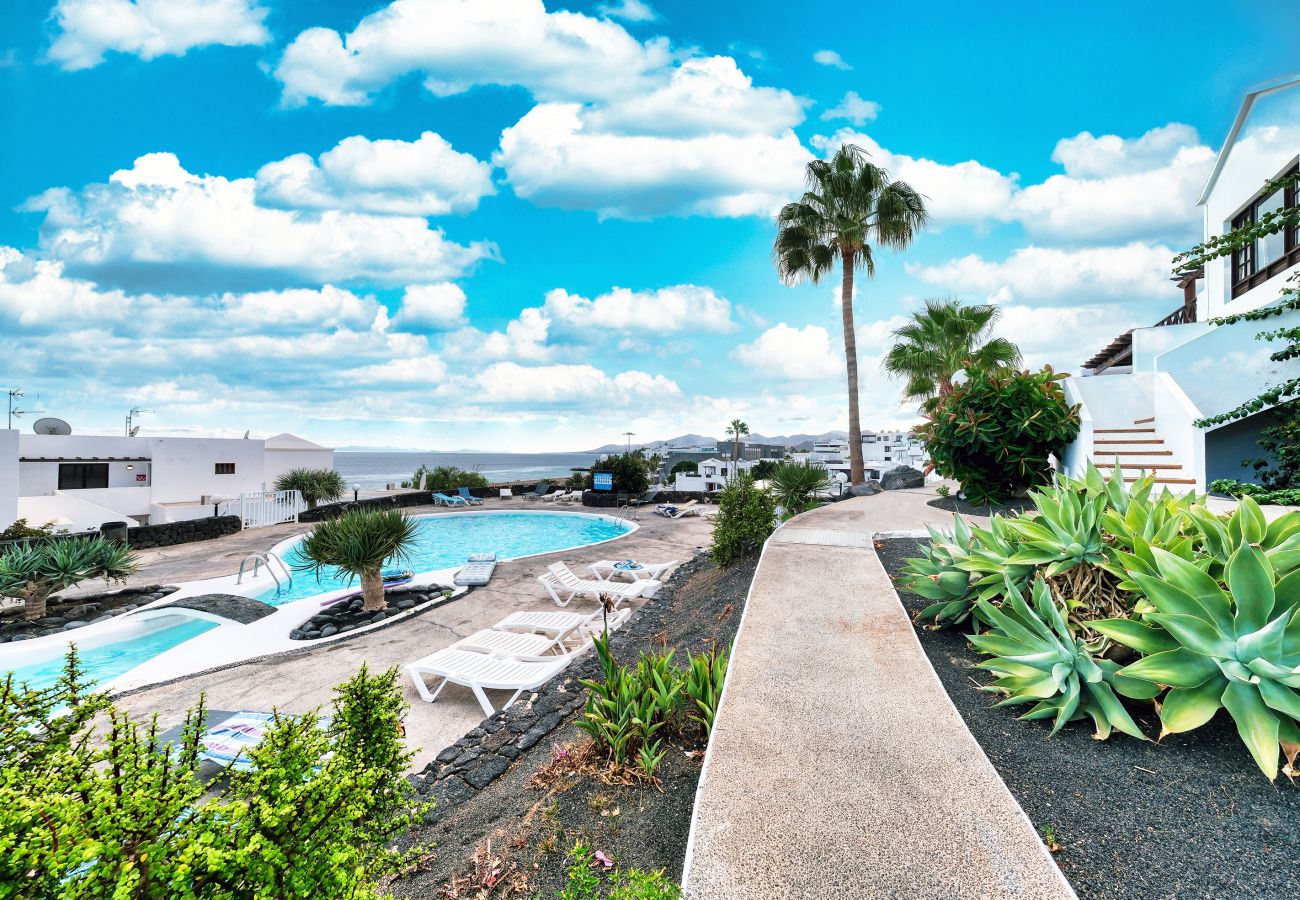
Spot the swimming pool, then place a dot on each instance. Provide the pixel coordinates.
(137, 641)
(444, 541)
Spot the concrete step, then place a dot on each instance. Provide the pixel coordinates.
(1144, 421)
(1127, 441)
(1123, 431)
(1148, 467)
(1164, 480)
(1109, 453)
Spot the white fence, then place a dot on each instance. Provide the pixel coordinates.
(262, 508)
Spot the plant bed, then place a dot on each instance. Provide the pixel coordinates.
(517, 829)
(69, 614)
(347, 615)
(1189, 816)
(956, 504)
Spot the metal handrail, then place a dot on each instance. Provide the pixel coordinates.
(260, 559)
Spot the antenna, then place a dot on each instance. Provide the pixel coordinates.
(131, 415)
(51, 426)
(15, 394)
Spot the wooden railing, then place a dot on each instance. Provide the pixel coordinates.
(1183, 315)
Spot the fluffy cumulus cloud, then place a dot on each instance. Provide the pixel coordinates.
(1064, 336)
(458, 44)
(854, 108)
(1116, 188)
(87, 29)
(1132, 272)
(831, 59)
(569, 385)
(431, 307)
(628, 11)
(966, 192)
(424, 177)
(795, 353)
(682, 307)
(158, 227)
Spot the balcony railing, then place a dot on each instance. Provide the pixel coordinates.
(1183, 315)
(1120, 351)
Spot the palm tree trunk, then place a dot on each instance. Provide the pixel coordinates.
(34, 601)
(856, 472)
(372, 590)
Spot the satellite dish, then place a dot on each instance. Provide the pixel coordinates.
(134, 431)
(51, 426)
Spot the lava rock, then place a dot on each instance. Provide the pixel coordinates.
(866, 489)
(328, 631)
(76, 623)
(902, 478)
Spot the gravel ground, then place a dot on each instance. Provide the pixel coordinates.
(954, 504)
(1189, 817)
(531, 828)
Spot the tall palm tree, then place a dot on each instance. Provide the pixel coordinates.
(941, 340)
(359, 543)
(736, 430)
(850, 202)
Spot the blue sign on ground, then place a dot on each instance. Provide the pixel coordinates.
(602, 481)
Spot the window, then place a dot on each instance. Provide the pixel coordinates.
(82, 476)
(225, 468)
(1261, 259)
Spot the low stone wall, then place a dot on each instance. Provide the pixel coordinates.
(69, 615)
(392, 501)
(171, 533)
(609, 499)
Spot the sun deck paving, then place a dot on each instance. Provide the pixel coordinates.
(303, 680)
(838, 765)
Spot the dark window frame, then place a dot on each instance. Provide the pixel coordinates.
(79, 476)
(1246, 273)
(226, 468)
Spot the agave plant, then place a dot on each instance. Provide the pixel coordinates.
(1038, 659)
(1165, 522)
(959, 567)
(1237, 649)
(1220, 536)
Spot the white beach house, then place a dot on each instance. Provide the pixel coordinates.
(1141, 395)
(83, 481)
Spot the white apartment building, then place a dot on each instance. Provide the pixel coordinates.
(711, 475)
(1141, 395)
(80, 482)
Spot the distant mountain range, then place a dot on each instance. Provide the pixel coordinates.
(793, 441)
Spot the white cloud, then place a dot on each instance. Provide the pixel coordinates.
(794, 353)
(424, 177)
(964, 192)
(552, 159)
(854, 108)
(682, 307)
(158, 227)
(1118, 189)
(628, 11)
(432, 306)
(830, 58)
(1065, 336)
(459, 44)
(416, 370)
(87, 29)
(508, 382)
(1047, 274)
(328, 307)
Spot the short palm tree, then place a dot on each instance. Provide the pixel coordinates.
(794, 485)
(358, 544)
(736, 430)
(315, 485)
(850, 202)
(33, 571)
(942, 340)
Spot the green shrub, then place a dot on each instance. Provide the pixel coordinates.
(631, 471)
(688, 466)
(127, 816)
(703, 679)
(995, 433)
(764, 469)
(444, 479)
(795, 485)
(315, 485)
(32, 572)
(1260, 494)
(746, 517)
(627, 709)
(585, 883)
(20, 530)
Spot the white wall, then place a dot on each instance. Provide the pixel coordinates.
(68, 512)
(184, 468)
(277, 462)
(8, 477)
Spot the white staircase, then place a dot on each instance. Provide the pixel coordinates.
(1138, 449)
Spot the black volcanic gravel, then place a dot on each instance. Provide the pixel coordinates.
(1188, 817)
(955, 504)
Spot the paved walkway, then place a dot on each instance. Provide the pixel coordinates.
(838, 766)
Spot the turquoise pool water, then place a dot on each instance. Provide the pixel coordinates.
(444, 541)
(141, 642)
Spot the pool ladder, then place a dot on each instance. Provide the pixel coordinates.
(627, 512)
(264, 559)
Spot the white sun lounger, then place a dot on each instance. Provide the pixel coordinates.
(485, 672)
(509, 643)
(670, 511)
(562, 624)
(563, 586)
(606, 569)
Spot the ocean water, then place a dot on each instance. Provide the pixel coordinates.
(374, 470)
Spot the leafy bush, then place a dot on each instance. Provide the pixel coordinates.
(795, 485)
(631, 471)
(1260, 494)
(32, 572)
(584, 881)
(128, 816)
(690, 467)
(315, 485)
(746, 517)
(995, 432)
(764, 469)
(20, 530)
(626, 711)
(444, 478)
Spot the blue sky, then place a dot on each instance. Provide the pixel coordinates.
(510, 226)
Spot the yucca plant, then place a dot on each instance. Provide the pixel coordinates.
(1038, 659)
(360, 543)
(795, 485)
(628, 708)
(1237, 649)
(33, 571)
(703, 679)
(315, 485)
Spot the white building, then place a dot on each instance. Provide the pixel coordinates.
(711, 475)
(1141, 395)
(881, 452)
(80, 482)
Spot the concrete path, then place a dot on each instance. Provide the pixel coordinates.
(838, 765)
